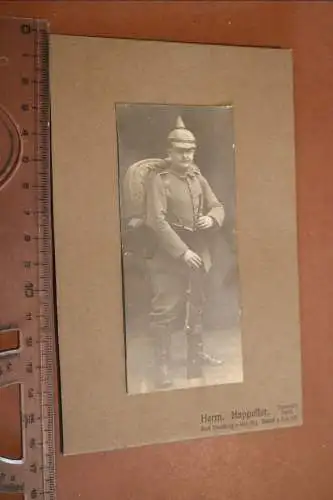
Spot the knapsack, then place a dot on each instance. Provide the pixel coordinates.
(133, 198)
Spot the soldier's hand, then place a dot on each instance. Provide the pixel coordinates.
(192, 259)
(205, 222)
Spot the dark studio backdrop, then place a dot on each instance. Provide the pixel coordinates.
(142, 131)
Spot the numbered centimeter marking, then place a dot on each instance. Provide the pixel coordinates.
(32, 364)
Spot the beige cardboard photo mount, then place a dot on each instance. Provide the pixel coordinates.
(90, 75)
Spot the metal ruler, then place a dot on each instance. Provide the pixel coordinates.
(26, 251)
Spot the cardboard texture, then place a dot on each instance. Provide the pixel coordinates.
(88, 76)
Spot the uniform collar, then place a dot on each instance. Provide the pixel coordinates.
(191, 172)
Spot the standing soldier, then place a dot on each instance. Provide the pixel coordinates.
(181, 210)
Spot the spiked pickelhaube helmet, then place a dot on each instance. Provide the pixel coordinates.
(181, 137)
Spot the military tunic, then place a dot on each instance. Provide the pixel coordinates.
(175, 201)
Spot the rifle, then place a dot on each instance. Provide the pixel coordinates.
(195, 298)
(193, 322)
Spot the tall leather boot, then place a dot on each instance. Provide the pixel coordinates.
(162, 344)
(196, 356)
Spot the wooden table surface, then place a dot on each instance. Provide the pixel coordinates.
(291, 464)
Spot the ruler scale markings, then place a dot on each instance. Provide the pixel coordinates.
(32, 365)
(47, 282)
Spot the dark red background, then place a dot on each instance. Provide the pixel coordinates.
(292, 464)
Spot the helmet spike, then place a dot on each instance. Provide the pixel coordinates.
(180, 123)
